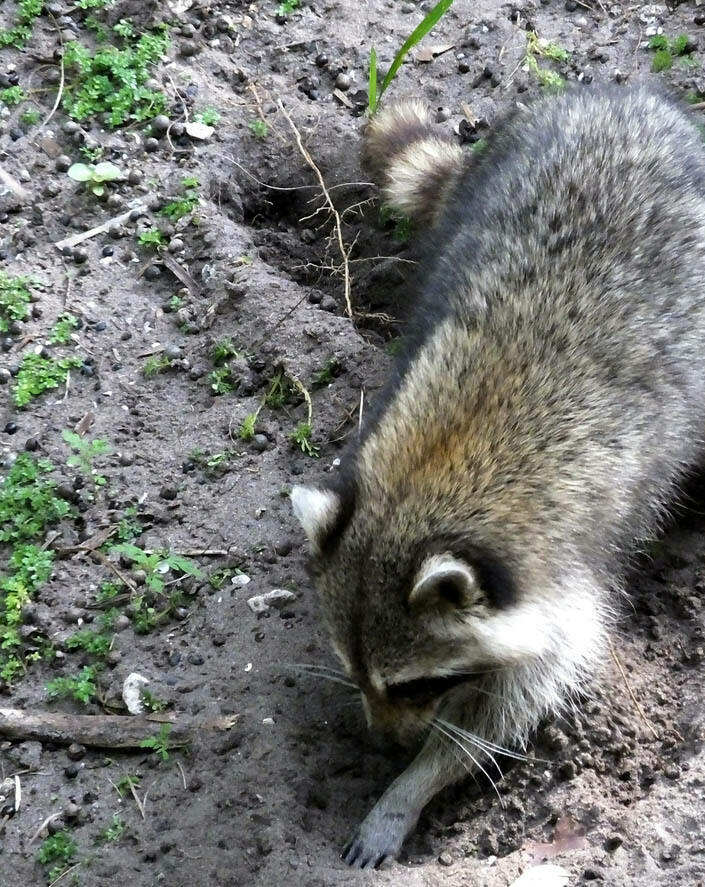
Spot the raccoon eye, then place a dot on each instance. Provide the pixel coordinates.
(423, 689)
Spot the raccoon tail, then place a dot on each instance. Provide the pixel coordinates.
(415, 166)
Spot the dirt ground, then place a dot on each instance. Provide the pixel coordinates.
(618, 796)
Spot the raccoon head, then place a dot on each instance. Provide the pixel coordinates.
(418, 612)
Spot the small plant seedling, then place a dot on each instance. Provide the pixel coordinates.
(156, 564)
(280, 390)
(537, 47)
(126, 783)
(81, 687)
(247, 429)
(222, 351)
(84, 452)
(258, 128)
(221, 381)
(183, 205)
(14, 300)
(112, 82)
(301, 436)
(62, 329)
(12, 96)
(287, 7)
(159, 743)
(27, 12)
(208, 116)
(129, 526)
(112, 832)
(175, 302)
(124, 29)
(59, 847)
(38, 374)
(375, 93)
(326, 375)
(95, 175)
(218, 578)
(159, 363)
(92, 154)
(152, 702)
(152, 238)
(30, 117)
(90, 642)
(667, 49)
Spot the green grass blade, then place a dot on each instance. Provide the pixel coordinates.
(438, 11)
(372, 85)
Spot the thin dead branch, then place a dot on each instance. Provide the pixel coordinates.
(637, 705)
(334, 212)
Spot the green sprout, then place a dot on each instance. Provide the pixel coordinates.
(374, 94)
(301, 436)
(258, 128)
(81, 687)
(94, 176)
(62, 329)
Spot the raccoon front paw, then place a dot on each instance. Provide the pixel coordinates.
(379, 837)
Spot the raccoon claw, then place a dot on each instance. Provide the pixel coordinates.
(379, 837)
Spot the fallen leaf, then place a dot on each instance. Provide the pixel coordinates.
(567, 835)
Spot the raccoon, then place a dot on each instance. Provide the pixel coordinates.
(470, 553)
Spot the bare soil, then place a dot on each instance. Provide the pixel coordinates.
(272, 800)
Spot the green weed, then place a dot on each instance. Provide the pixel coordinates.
(84, 452)
(91, 153)
(111, 82)
(38, 374)
(667, 49)
(157, 564)
(152, 702)
(183, 205)
(59, 847)
(30, 117)
(222, 351)
(221, 381)
(81, 687)
(258, 128)
(159, 363)
(62, 329)
(94, 176)
(152, 238)
(27, 12)
(14, 300)
(112, 832)
(126, 783)
(247, 428)
(208, 116)
(159, 743)
(280, 390)
(92, 642)
(12, 96)
(301, 436)
(129, 527)
(537, 47)
(375, 93)
(326, 375)
(287, 7)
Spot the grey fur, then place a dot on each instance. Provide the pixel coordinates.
(552, 396)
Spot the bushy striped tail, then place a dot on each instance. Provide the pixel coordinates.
(415, 166)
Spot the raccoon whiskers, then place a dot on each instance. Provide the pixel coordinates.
(454, 739)
(485, 744)
(322, 671)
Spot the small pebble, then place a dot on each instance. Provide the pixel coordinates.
(445, 858)
(160, 124)
(151, 145)
(80, 255)
(134, 177)
(195, 659)
(62, 163)
(240, 580)
(71, 811)
(277, 597)
(342, 82)
(260, 442)
(70, 127)
(71, 772)
(168, 493)
(11, 428)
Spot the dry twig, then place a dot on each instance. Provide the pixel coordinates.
(334, 212)
(637, 705)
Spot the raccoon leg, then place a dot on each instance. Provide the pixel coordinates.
(384, 829)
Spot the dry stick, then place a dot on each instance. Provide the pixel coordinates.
(108, 563)
(99, 731)
(183, 775)
(99, 229)
(631, 692)
(64, 873)
(336, 215)
(61, 80)
(41, 828)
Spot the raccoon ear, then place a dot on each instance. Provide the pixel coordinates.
(317, 512)
(445, 582)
